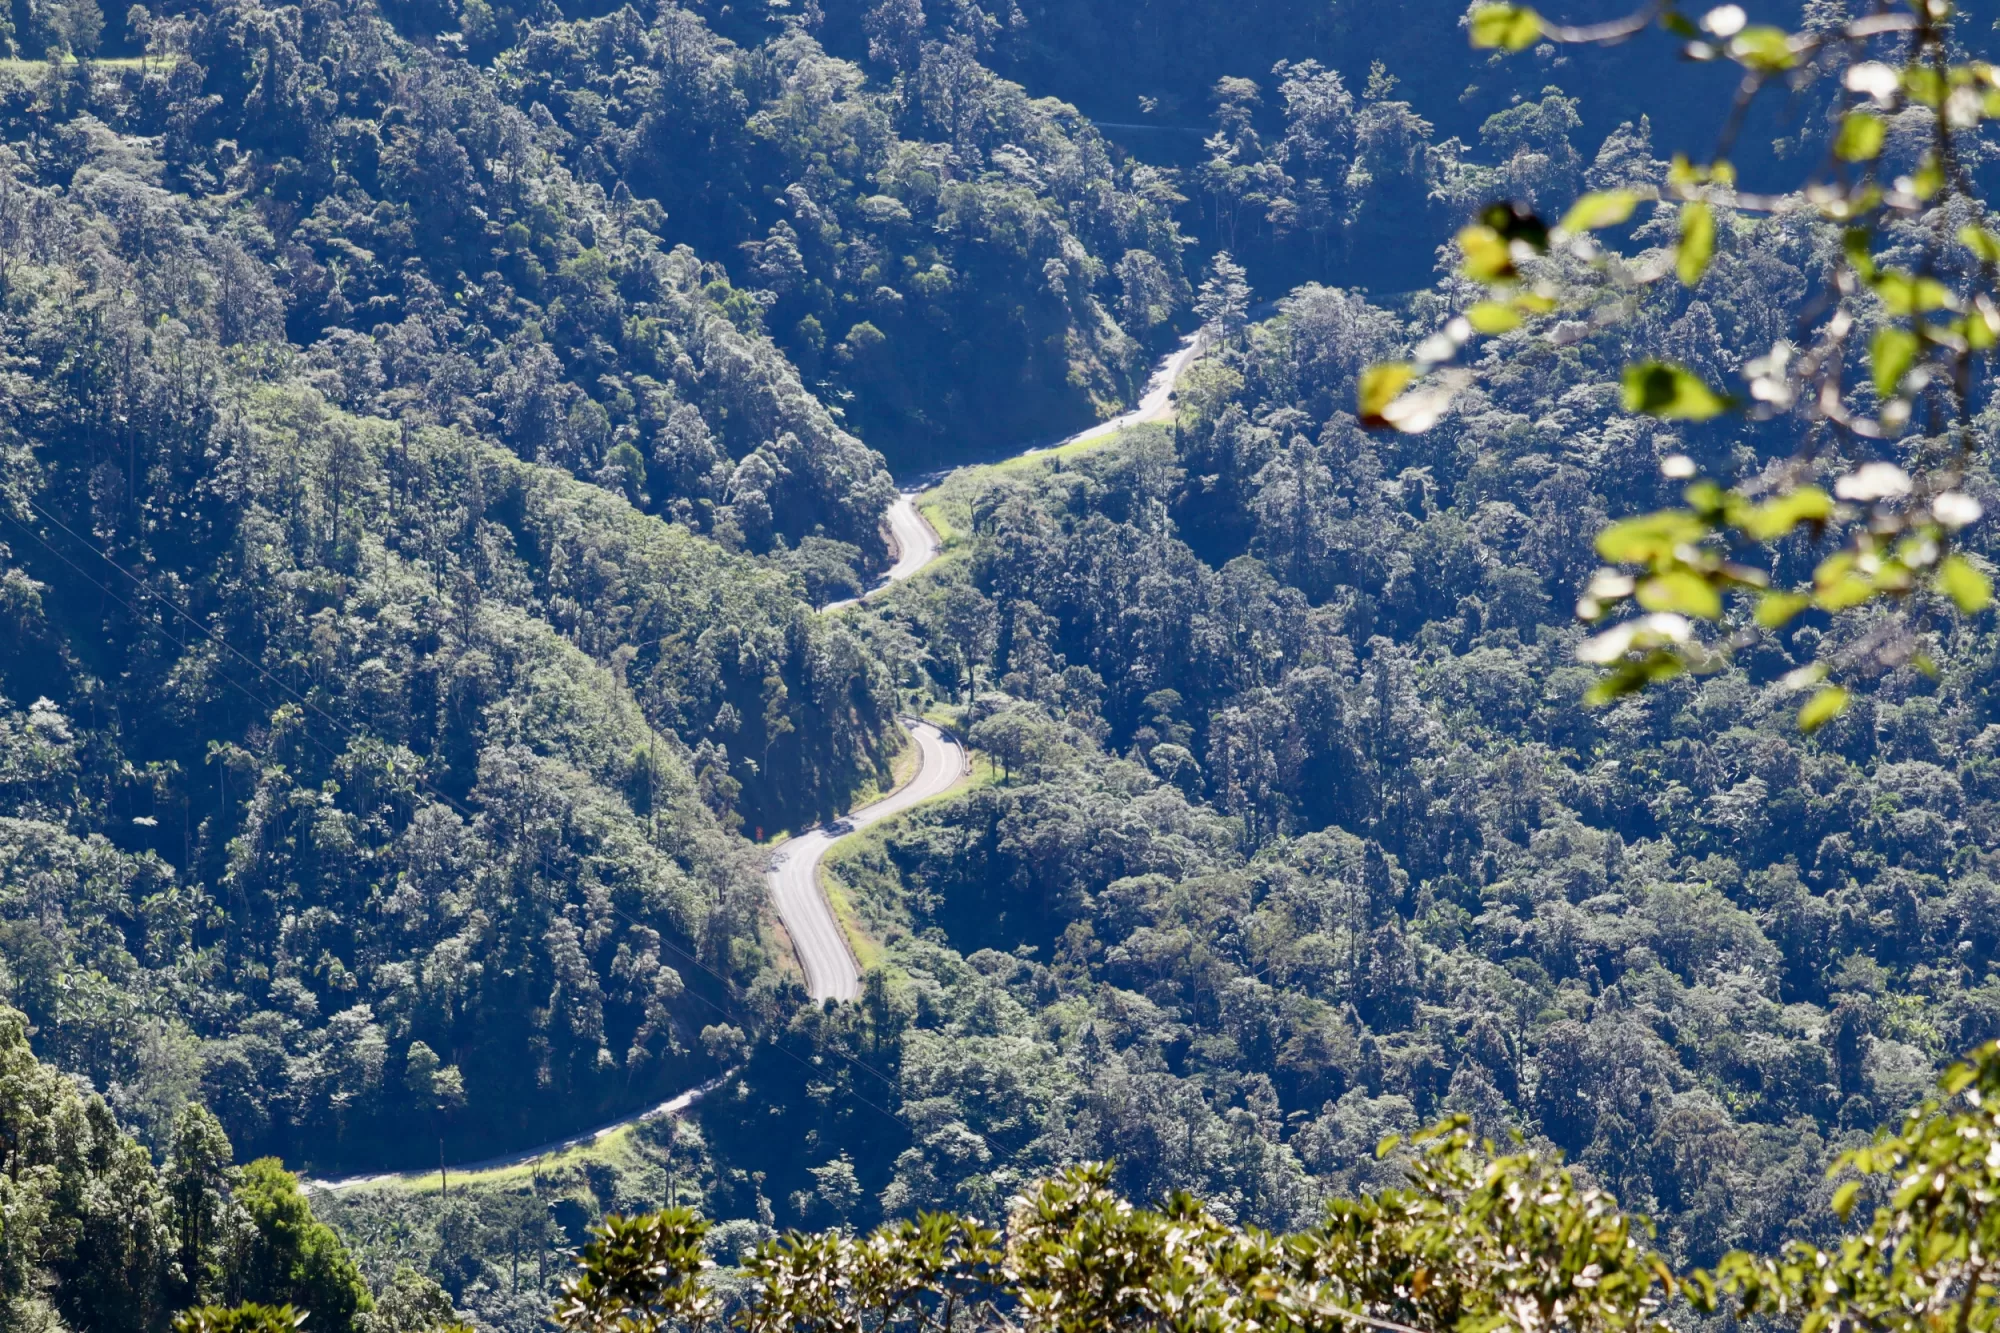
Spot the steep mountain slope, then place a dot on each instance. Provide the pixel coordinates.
(362, 766)
(409, 538)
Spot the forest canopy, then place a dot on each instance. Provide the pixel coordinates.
(443, 443)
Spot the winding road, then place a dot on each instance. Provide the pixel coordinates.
(916, 542)
(674, 1105)
(793, 874)
(1156, 403)
(821, 946)
(793, 870)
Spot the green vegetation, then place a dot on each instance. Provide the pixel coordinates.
(1473, 1240)
(866, 918)
(429, 427)
(1912, 297)
(948, 506)
(97, 1238)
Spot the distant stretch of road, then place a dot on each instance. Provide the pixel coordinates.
(1155, 404)
(674, 1105)
(793, 874)
(916, 542)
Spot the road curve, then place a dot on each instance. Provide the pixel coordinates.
(793, 873)
(822, 949)
(916, 545)
(1155, 404)
(672, 1106)
(916, 542)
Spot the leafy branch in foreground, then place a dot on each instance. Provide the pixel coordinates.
(1473, 1243)
(1930, 1254)
(249, 1317)
(1890, 356)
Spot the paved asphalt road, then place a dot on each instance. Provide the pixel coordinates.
(794, 868)
(672, 1106)
(793, 873)
(916, 542)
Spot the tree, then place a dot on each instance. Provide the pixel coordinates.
(197, 1182)
(1909, 301)
(437, 1087)
(836, 1187)
(1223, 303)
(289, 1257)
(1472, 1240)
(248, 1317)
(1929, 1253)
(1494, 1242)
(412, 1303)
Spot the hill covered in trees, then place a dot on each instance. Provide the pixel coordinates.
(411, 539)
(431, 427)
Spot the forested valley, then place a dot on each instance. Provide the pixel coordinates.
(444, 448)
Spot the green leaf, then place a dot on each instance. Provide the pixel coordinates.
(1891, 353)
(1774, 609)
(1843, 593)
(1763, 48)
(1778, 516)
(1923, 83)
(1680, 590)
(1508, 27)
(1827, 703)
(1697, 245)
(1603, 208)
(1907, 294)
(1928, 178)
(1632, 677)
(1709, 499)
(1981, 242)
(1487, 255)
(1380, 384)
(1662, 389)
(1855, 243)
(1860, 138)
(1961, 581)
(1516, 222)
(1980, 328)
(1493, 317)
(1843, 1198)
(1837, 584)
(1649, 537)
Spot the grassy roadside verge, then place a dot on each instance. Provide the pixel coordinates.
(28, 69)
(861, 885)
(947, 506)
(638, 1151)
(860, 880)
(863, 942)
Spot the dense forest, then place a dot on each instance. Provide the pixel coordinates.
(433, 431)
